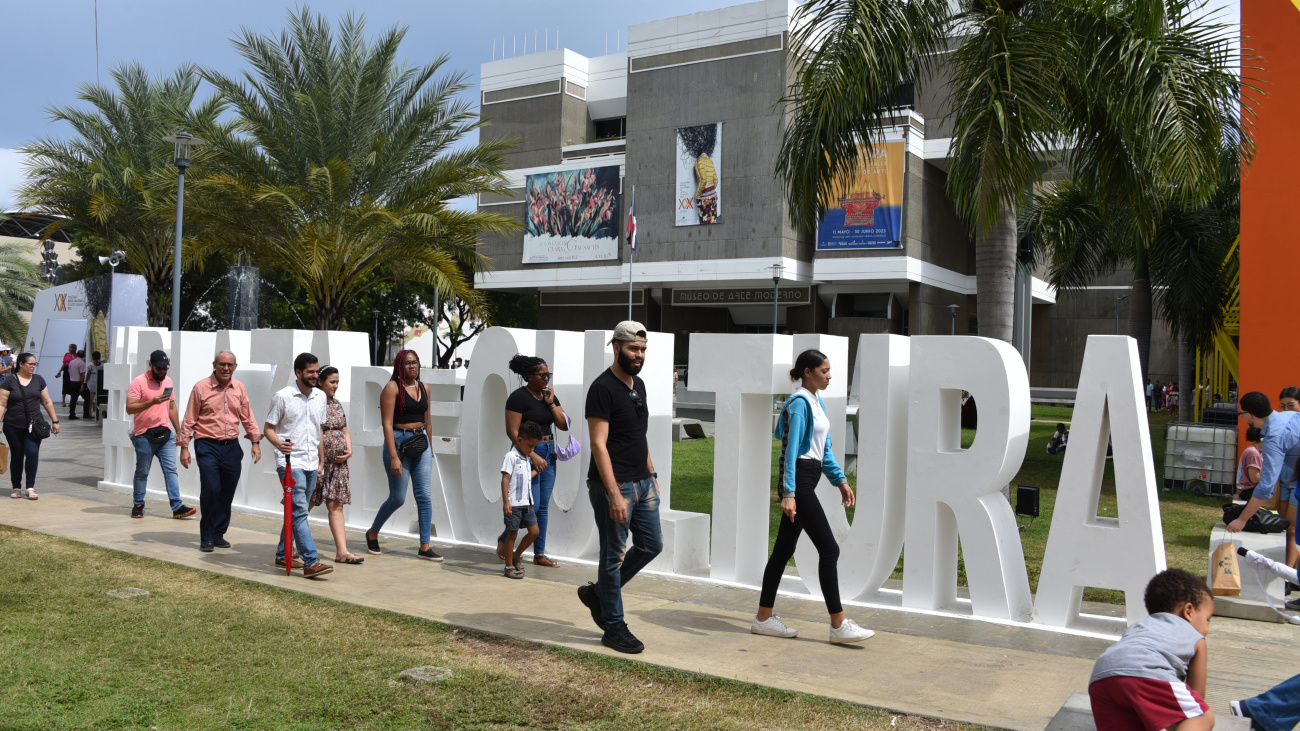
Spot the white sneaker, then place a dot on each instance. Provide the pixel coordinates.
(772, 627)
(849, 631)
(1234, 707)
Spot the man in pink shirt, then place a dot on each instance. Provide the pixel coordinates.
(77, 374)
(217, 406)
(149, 399)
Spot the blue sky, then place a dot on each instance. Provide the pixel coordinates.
(50, 47)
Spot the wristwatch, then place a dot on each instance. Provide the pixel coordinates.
(654, 475)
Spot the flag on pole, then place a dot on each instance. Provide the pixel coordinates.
(631, 222)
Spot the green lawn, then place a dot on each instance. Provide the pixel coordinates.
(1186, 519)
(205, 651)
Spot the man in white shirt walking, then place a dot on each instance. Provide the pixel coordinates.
(293, 427)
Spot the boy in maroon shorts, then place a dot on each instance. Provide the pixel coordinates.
(1154, 677)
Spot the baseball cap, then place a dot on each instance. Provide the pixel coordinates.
(159, 358)
(628, 330)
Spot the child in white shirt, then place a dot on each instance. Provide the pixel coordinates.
(517, 473)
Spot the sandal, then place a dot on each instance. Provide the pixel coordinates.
(16, 493)
(31, 494)
(350, 558)
(501, 552)
(541, 559)
(514, 572)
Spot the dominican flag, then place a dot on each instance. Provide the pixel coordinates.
(631, 223)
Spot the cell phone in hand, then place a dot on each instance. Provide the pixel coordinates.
(167, 392)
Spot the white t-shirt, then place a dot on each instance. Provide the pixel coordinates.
(520, 469)
(821, 426)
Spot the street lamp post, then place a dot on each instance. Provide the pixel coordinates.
(183, 141)
(776, 293)
(374, 356)
(1117, 301)
(953, 309)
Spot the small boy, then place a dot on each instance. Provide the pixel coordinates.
(1059, 440)
(517, 473)
(1154, 677)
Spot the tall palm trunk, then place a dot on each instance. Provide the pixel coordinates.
(1139, 311)
(995, 277)
(1186, 378)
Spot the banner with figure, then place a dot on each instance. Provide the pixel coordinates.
(699, 174)
(869, 214)
(572, 216)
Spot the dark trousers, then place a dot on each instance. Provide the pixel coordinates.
(219, 469)
(811, 519)
(72, 403)
(23, 452)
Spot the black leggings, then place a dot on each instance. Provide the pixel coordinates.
(24, 452)
(809, 517)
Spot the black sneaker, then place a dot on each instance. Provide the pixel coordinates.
(221, 543)
(587, 595)
(184, 511)
(137, 511)
(1293, 605)
(372, 544)
(205, 546)
(621, 639)
(429, 554)
(1290, 588)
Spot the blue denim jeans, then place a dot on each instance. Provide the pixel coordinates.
(543, 486)
(616, 567)
(1277, 709)
(304, 483)
(420, 472)
(145, 451)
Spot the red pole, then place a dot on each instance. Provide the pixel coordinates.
(288, 484)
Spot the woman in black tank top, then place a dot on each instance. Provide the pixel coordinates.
(404, 410)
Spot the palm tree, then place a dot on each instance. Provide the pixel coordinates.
(341, 165)
(114, 182)
(1134, 97)
(19, 282)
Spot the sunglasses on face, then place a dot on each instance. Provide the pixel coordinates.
(543, 376)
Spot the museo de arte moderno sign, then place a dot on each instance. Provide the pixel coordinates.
(699, 174)
(572, 216)
(868, 214)
(728, 297)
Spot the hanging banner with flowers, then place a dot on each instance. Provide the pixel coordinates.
(572, 216)
(699, 174)
(869, 214)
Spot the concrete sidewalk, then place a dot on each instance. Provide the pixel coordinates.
(949, 668)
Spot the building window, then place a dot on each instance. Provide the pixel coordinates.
(611, 129)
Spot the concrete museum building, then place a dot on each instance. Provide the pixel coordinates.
(688, 118)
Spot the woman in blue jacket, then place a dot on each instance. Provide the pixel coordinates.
(805, 456)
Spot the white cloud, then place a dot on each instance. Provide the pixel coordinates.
(11, 176)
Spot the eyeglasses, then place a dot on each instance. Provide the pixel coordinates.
(225, 365)
(543, 376)
(636, 399)
(410, 363)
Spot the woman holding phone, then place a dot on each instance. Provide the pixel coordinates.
(535, 401)
(804, 431)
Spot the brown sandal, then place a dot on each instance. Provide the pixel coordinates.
(350, 558)
(542, 560)
(501, 552)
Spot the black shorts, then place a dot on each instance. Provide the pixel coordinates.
(520, 516)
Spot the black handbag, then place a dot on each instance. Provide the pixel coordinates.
(414, 446)
(37, 426)
(158, 434)
(1263, 521)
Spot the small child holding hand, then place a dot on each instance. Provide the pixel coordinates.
(1154, 677)
(517, 473)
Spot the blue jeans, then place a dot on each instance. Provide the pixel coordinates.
(1277, 709)
(543, 486)
(24, 454)
(617, 568)
(145, 451)
(304, 485)
(420, 471)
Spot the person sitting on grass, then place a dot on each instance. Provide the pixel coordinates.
(1154, 677)
(1059, 438)
(517, 473)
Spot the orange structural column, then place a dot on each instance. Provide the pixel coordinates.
(1270, 211)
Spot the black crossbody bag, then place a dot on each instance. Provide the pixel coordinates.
(37, 426)
(414, 446)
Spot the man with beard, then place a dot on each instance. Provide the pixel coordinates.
(621, 484)
(293, 427)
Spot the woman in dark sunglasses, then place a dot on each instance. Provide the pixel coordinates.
(535, 401)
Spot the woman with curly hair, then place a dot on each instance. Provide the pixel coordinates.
(535, 401)
(405, 414)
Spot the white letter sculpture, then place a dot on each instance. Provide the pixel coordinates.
(952, 491)
(1082, 548)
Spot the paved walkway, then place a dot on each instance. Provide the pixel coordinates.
(949, 668)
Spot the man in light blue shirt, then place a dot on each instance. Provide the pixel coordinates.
(1281, 449)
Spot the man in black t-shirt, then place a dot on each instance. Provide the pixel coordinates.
(621, 484)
